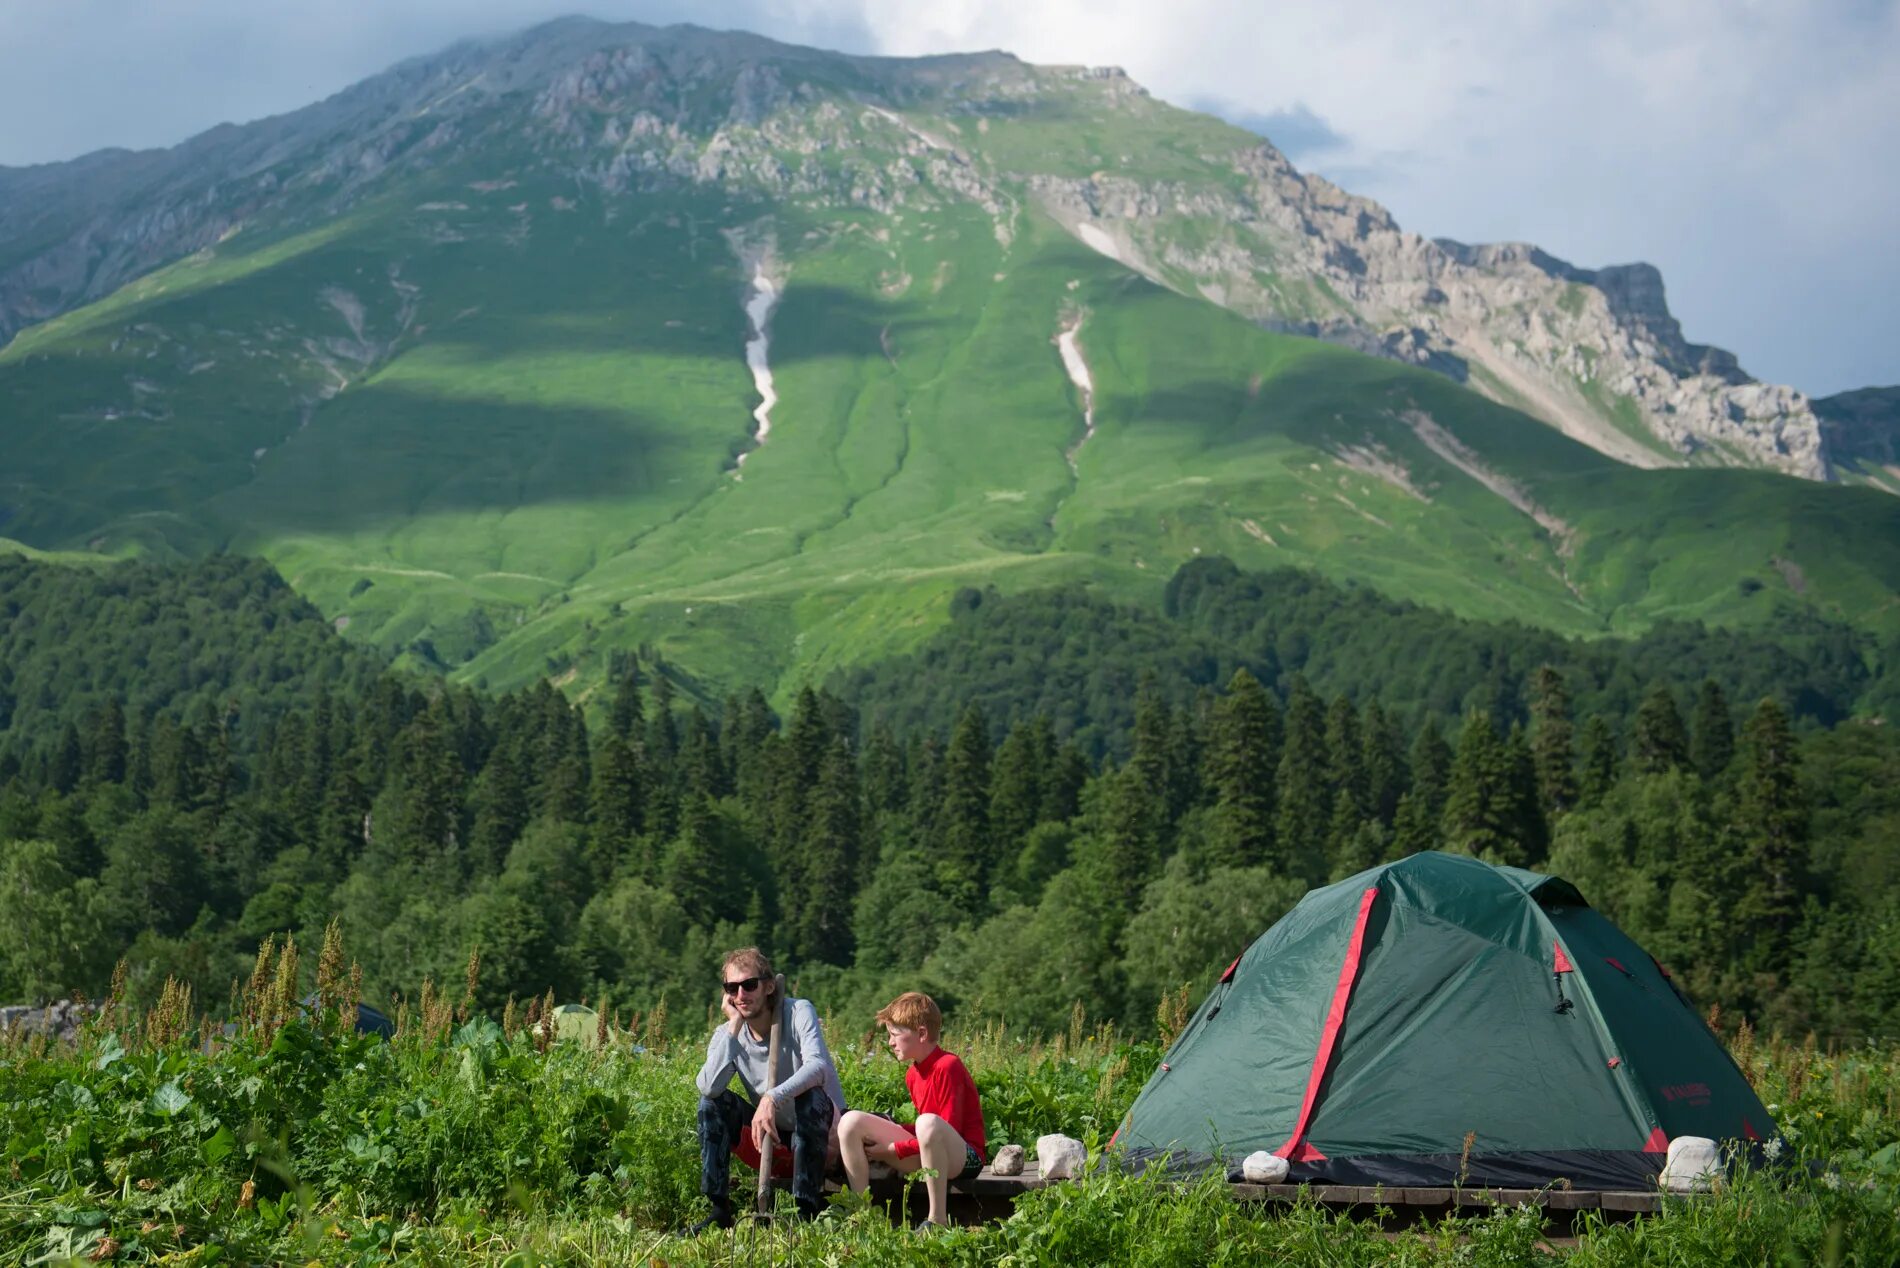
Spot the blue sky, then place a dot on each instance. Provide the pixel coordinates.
(1745, 148)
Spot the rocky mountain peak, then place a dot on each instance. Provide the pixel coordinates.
(1213, 212)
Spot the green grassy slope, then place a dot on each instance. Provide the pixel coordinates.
(489, 423)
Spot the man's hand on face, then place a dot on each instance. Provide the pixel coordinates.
(765, 1123)
(734, 1017)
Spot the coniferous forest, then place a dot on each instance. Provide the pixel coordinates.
(1055, 800)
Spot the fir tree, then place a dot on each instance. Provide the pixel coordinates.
(883, 772)
(616, 807)
(1241, 760)
(627, 715)
(1551, 743)
(500, 800)
(1599, 762)
(1478, 801)
(1773, 829)
(1712, 733)
(1526, 812)
(68, 764)
(1661, 740)
(821, 928)
(105, 749)
(1062, 788)
(1384, 762)
(1016, 783)
(1303, 809)
(964, 857)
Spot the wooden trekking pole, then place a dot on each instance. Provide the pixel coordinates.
(766, 1147)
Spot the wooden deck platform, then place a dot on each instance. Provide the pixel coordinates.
(986, 1196)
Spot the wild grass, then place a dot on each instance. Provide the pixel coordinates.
(285, 1136)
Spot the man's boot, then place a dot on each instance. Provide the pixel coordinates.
(721, 1217)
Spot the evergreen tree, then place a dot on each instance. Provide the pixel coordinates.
(749, 732)
(1016, 783)
(1773, 830)
(1528, 826)
(1241, 760)
(964, 860)
(626, 717)
(1551, 742)
(1712, 735)
(693, 870)
(1345, 757)
(105, 749)
(500, 802)
(663, 737)
(883, 772)
(702, 767)
(1303, 808)
(821, 929)
(1125, 850)
(1062, 788)
(1661, 740)
(1599, 762)
(616, 806)
(1478, 800)
(1151, 762)
(1384, 763)
(67, 764)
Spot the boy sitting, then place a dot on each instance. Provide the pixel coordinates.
(949, 1136)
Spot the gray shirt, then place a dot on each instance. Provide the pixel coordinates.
(803, 1063)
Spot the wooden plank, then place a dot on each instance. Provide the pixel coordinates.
(1420, 1197)
(1642, 1202)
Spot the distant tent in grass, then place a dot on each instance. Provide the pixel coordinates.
(1439, 1021)
(577, 1023)
(369, 1021)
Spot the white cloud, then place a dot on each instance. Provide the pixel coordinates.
(1743, 146)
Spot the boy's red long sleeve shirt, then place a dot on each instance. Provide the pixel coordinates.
(940, 1084)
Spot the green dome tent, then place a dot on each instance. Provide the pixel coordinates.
(1385, 1017)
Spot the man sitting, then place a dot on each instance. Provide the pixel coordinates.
(805, 1103)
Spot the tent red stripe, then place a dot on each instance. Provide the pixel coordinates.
(1335, 1018)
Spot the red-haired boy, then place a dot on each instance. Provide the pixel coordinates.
(948, 1138)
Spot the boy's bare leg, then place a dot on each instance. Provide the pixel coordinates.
(944, 1152)
(866, 1138)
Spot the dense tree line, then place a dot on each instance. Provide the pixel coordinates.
(222, 635)
(1077, 657)
(999, 860)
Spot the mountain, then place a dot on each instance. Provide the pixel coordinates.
(1862, 432)
(602, 336)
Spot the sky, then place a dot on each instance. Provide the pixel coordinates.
(1746, 148)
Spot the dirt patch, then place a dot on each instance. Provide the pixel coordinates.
(1376, 461)
(1459, 455)
(1791, 573)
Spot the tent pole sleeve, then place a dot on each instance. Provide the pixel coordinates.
(1335, 1018)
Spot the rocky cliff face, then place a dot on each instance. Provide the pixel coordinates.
(1191, 203)
(1862, 433)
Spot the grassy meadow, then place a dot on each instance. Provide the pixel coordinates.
(486, 421)
(170, 1139)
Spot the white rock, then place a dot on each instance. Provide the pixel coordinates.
(1694, 1165)
(1261, 1167)
(1060, 1157)
(1008, 1161)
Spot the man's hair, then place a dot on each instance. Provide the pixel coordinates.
(913, 1010)
(751, 963)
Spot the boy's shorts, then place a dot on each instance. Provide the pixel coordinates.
(972, 1161)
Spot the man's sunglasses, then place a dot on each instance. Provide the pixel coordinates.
(743, 984)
